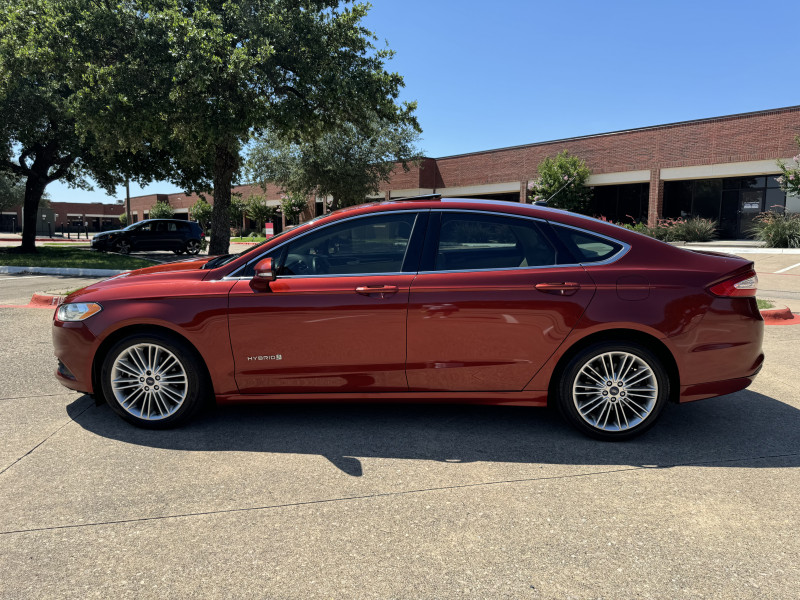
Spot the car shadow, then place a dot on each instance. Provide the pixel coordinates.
(742, 430)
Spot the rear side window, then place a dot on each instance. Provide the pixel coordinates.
(470, 241)
(587, 248)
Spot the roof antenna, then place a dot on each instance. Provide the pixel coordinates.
(544, 202)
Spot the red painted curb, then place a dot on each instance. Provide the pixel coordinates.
(780, 316)
(45, 301)
(777, 313)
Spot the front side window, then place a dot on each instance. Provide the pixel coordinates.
(470, 241)
(374, 244)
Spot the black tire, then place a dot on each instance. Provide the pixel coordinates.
(613, 390)
(192, 247)
(123, 247)
(158, 393)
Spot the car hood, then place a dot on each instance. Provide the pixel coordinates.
(109, 232)
(153, 280)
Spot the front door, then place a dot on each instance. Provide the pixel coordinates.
(335, 318)
(751, 203)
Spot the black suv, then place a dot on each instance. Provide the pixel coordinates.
(153, 234)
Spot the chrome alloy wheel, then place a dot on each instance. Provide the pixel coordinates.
(149, 381)
(192, 247)
(615, 391)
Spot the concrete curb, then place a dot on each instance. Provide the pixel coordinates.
(45, 300)
(63, 271)
(780, 316)
(38, 239)
(742, 250)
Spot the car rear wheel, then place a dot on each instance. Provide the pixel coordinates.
(152, 381)
(123, 247)
(192, 247)
(613, 391)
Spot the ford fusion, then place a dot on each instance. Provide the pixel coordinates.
(429, 300)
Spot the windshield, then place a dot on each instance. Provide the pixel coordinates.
(224, 259)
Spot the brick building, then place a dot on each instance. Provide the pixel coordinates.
(723, 168)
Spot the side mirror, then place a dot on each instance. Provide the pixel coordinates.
(263, 274)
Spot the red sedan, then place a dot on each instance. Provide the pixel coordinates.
(425, 300)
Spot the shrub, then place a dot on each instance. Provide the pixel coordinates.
(777, 230)
(696, 229)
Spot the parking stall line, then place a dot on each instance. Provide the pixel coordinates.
(788, 268)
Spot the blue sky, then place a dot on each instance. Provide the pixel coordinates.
(507, 72)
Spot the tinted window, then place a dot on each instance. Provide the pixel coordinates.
(473, 241)
(374, 244)
(585, 246)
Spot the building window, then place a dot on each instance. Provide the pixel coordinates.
(625, 203)
(731, 201)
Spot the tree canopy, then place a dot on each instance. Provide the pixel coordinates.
(12, 191)
(206, 75)
(161, 210)
(562, 179)
(348, 164)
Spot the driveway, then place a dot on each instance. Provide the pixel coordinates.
(393, 501)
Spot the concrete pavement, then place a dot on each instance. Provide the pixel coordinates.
(393, 501)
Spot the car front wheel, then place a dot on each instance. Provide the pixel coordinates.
(152, 381)
(613, 391)
(123, 247)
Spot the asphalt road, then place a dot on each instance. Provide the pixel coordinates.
(393, 501)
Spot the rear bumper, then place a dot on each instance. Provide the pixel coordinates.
(723, 353)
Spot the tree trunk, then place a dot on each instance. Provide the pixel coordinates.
(224, 166)
(34, 189)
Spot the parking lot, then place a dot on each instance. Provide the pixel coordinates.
(394, 501)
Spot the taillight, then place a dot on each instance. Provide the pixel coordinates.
(740, 286)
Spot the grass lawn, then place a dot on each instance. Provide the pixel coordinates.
(762, 304)
(247, 239)
(65, 257)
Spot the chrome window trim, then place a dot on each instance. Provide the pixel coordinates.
(625, 247)
(235, 277)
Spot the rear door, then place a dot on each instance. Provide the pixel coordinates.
(335, 318)
(490, 304)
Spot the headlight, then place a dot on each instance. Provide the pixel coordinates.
(77, 311)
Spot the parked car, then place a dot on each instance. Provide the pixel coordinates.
(153, 234)
(428, 300)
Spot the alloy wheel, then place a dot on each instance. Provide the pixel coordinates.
(615, 391)
(149, 382)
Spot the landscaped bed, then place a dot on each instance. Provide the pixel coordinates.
(70, 258)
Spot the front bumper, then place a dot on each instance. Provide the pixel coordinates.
(74, 346)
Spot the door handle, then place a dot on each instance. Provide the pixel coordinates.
(564, 288)
(383, 290)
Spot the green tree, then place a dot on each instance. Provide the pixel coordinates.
(12, 191)
(256, 208)
(209, 74)
(348, 164)
(293, 206)
(237, 213)
(46, 47)
(161, 210)
(562, 179)
(123, 220)
(790, 174)
(201, 212)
